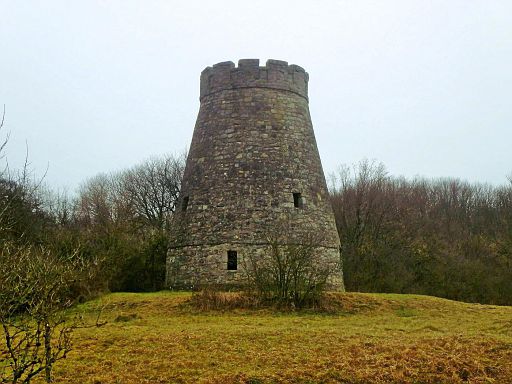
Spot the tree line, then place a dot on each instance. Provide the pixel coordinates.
(117, 222)
(441, 237)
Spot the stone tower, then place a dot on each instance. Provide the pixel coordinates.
(253, 171)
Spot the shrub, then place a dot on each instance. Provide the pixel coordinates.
(34, 290)
(288, 275)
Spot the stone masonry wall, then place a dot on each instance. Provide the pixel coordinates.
(209, 265)
(253, 147)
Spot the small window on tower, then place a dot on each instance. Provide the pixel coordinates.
(297, 200)
(184, 204)
(232, 261)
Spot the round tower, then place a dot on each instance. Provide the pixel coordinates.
(253, 173)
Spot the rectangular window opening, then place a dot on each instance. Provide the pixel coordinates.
(184, 204)
(297, 200)
(232, 261)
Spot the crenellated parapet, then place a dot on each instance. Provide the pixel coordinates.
(276, 74)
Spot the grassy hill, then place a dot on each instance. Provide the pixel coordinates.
(370, 338)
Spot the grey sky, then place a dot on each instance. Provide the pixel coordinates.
(97, 86)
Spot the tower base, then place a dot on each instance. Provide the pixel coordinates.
(228, 265)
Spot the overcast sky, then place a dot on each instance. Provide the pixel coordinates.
(98, 86)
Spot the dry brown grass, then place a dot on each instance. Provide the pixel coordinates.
(365, 338)
(330, 302)
(214, 300)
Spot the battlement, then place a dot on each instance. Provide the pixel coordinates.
(276, 74)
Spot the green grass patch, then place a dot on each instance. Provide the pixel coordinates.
(363, 338)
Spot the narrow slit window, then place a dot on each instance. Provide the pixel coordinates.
(297, 200)
(232, 261)
(184, 204)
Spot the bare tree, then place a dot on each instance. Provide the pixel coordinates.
(289, 273)
(4, 206)
(34, 290)
(98, 203)
(126, 216)
(146, 193)
(153, 187)
(6, 139)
